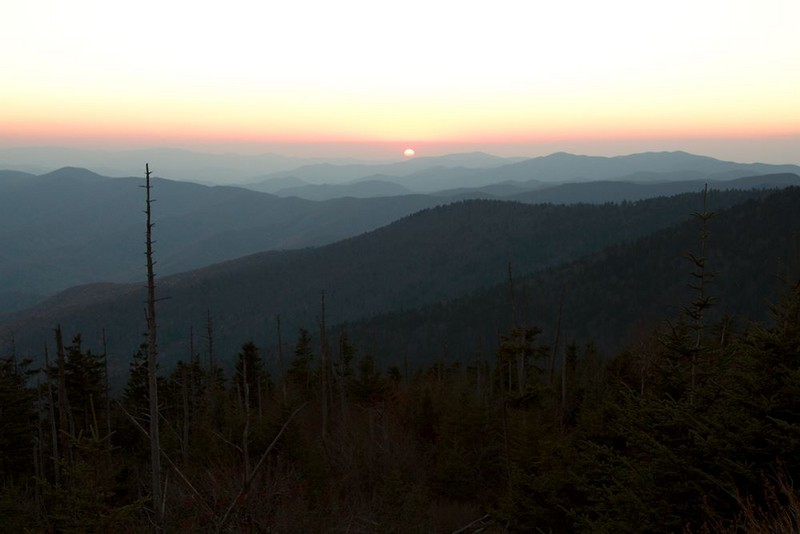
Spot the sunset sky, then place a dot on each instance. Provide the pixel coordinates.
(371, 78)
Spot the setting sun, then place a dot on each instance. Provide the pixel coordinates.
(310, 72)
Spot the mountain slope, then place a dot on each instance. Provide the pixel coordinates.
(612, 297)
(428, 257)
(73, 226)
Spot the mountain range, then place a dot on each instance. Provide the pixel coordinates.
(71, 241)
(73, 226)
(177, 164)
(222, 168)
(440, 174)
(437, 254)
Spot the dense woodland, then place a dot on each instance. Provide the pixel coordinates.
(425, 259)
(614, 296)
(692, 425)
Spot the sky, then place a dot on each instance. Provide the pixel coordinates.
(372, 78)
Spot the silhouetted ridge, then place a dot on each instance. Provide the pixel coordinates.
(74, 173)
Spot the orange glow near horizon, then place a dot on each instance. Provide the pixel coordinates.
(31, 132)
(357, 116)
(307, 73)
(346, 117)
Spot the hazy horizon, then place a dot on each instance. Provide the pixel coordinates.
(772, 149)
(364, 80)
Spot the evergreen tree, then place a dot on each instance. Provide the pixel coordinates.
(300, 372)
(368, 386)
(17, 415)
(135, 393)
(85, 385)
(249, 369)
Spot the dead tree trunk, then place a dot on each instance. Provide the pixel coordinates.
(246, 431)
(152, 360)
(107, 392)
(702, 301)
(554, 355)
(324, 369)
(53, 425)
(211, 389)
(281, 370)
(186, 415)
(63, 423)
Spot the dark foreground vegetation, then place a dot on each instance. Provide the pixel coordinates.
(695, 427)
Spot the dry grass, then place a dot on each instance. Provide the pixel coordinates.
(779, 513)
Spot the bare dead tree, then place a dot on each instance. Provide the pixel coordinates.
(280, 357)
(53, 426)
(63, 423)
(512, 300)
(341, 378)
(512, 297)
(152, 359)
(211, 386)
(519, 332)
(188, 393)
(557, 340)
(246, 431)
(241, 496)
(185, 373)
(702, 300)
(172, 464)
(107, 389)
(324, 368)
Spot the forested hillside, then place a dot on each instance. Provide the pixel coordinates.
(612, 298)
(690, 426)
(74, 227)
(422, 259)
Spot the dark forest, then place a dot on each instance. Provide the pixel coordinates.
(491, 412)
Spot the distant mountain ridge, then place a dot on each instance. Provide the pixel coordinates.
(419, 174)
(450, 175)
(332, 173)
(362, 189)
(173, 163)
(73, 226)
(562, 167)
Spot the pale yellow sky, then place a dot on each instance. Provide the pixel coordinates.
(431, 73)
